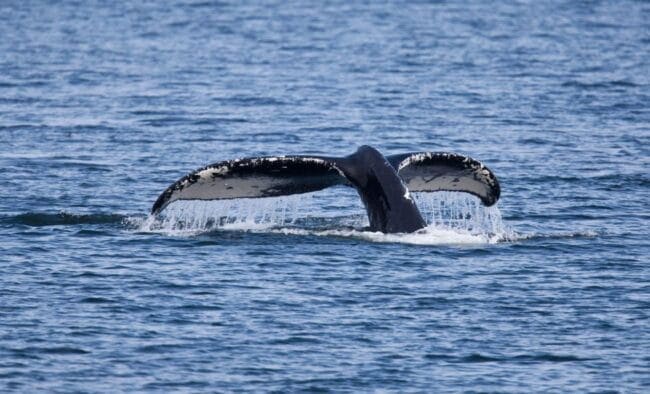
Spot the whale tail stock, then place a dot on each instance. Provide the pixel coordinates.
(382, 182)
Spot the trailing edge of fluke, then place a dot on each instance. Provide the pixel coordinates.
(383, 183)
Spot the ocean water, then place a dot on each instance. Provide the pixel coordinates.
(103, 105)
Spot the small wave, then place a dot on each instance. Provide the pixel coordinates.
(557, 235)
(249, 101)
(599, 84)
(160, 348)
(55, 350)
(95, 300)
(37, 219)
(522, 358)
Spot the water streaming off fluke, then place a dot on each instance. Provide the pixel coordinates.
(451, 218)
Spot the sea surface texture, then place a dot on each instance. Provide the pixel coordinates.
(104, 104)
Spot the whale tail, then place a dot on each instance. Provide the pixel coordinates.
(253, 178)
(367, 170)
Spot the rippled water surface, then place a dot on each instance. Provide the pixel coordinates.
(103, 105)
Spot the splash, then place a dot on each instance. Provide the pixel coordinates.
(192, 217)
(462, 213)
(452, 218)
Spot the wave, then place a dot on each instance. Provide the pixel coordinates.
(556, 235)
(519, 359)
(38, 219)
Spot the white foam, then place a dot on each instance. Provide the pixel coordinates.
(427, 236)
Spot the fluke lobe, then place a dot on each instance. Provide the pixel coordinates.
(383, 183)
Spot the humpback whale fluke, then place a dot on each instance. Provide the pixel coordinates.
(383, 183)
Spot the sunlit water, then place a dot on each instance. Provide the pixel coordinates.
(103, 105)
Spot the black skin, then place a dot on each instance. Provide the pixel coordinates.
(382, 191)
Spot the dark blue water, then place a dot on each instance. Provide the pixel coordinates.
(103, 105)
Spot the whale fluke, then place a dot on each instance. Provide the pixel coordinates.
(253, 178)
(383, 183)
(441, 171)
